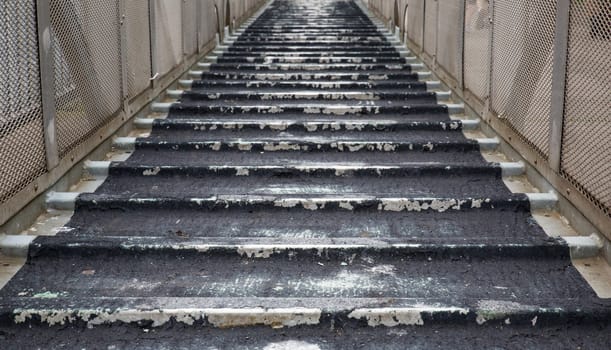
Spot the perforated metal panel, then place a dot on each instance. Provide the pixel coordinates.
(88, 67)
(209, 22)
(477, 47)
(138, 46)
(586, 151)
(415, 21)
(190, 26)
(430, 27)
(450, 37)
(168, 34)
(22, 152)
(522, 56)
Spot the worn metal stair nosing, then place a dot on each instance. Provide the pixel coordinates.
(440, 95)
(164, 107)
(101, 168)
(538, 201)
(431, 85)
(147, 123)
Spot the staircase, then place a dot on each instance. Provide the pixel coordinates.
(312, 188)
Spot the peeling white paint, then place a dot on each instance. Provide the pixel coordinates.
(244, 146)
(222, 318)
(488, 310)
(95, 317)
(257, 251)
(276, 318)
(242, 172)
(378, 77)
(216, 146)
(291, 345)
(400, 204)
(311, 127)
(311, 110)
(346, 205)
(388, 317)
(386, 269)
(151, 172)
(282, 146)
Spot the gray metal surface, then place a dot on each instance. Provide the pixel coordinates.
(138, 43)
(449, 51)
(476, 67)
(431, 9)
(168, 34)
(415, 22)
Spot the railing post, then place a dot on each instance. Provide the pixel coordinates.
(47, 81)
(153, 38)
(461, 79)
(183, 30)
(491, 12)
(561, 39)
(123, 56)
(199, 10)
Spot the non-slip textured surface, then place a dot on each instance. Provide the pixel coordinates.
(308, 173)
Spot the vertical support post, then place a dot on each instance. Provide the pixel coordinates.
(47, 81)
(491, 11)
(153, 38)
(199, 10)
(436, 33)
(123, 56)
(461, 79)
(183, 30)
(423, 26)
(561, 40)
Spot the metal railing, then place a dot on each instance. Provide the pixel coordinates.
(73, 71)
(537, 71)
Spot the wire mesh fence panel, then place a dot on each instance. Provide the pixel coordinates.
(209, 22)
(22, 152)
(522, 57)
(189, 26)
(477, 47)
(168, 35)
(450, 37)
(138, 46)
(586, 147)
(415, 22)
(88, 67)
(430, 27)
